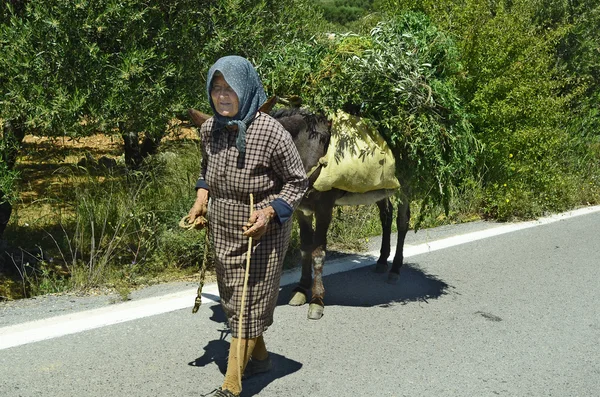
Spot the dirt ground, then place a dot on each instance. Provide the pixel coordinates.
(45, 164)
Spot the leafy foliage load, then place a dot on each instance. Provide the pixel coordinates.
(402, 78)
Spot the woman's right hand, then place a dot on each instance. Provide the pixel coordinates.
(199, 209)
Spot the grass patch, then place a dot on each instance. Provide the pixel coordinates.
(104, 227)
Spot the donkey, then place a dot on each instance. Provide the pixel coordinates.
(311, 134)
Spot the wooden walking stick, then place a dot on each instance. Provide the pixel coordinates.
(242, 303)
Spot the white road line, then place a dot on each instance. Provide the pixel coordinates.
(35, 331)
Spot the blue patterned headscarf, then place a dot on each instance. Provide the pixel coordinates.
(239, 73)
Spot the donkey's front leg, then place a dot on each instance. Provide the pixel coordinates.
(402, 224)
(300, 293)
(386, 213)
(323, 219)
(317, 304)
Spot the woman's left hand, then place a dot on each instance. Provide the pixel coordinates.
(258, 222)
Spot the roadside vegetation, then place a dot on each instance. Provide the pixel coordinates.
(491, 108)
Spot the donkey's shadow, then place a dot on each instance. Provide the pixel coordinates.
(363, 287)
(217, 351)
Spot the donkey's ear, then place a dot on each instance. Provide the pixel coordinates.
(198, 118)
(269, 104)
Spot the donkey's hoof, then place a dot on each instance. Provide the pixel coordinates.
(298, 299)
(380, 268)
(393, 278)
(315, 311)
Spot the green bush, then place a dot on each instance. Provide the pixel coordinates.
(530, 83)
(520, 105)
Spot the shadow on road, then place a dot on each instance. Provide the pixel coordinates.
(364, 288)
(361, 288)
(217, 351)
(282, 366)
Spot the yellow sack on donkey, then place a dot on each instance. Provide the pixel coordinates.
(358, 159)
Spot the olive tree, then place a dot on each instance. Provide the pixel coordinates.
(38, 85)
(123, 67)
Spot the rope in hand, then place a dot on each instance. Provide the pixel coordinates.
(184, 223)
(243, 302)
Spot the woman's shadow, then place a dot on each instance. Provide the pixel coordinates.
(217, 351)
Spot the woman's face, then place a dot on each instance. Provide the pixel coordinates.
(224, 98)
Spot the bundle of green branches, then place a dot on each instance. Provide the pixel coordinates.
(402, 78)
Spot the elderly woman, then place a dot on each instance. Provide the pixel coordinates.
(246, 151)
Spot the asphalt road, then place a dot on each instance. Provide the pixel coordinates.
(517, 314)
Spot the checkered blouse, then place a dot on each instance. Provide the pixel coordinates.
(272, 171)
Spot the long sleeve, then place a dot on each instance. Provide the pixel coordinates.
(288, 166)
(201, 182)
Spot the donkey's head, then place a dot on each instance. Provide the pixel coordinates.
(309, 131)
(198, 118)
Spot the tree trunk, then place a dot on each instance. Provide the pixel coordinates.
(5, 212)
(136, 153)
(150, 146)
(133, 155)
(13, 133)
